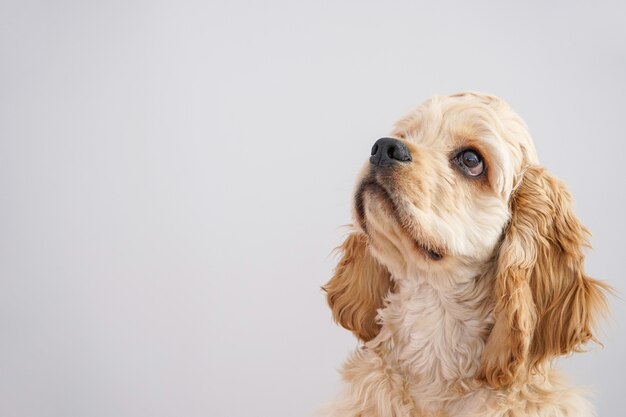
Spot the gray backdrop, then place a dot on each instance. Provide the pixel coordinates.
(174, 175)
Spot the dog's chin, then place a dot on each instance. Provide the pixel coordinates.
(388, 210)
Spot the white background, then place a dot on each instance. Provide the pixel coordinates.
(174, 175)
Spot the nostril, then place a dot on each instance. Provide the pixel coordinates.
(374, 149)
(391, 151)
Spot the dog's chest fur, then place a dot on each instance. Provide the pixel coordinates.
(435, 338)
(424, 363)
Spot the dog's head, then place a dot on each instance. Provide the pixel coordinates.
(456, 193)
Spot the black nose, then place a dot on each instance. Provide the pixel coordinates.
(387, 151)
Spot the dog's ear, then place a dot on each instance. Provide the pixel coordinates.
(358, 287)
(545, 305)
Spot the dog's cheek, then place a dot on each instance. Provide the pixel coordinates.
(474, 226)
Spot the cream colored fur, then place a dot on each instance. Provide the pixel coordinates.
(472, 333)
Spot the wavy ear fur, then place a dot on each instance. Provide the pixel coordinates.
(357, 288)
(545, 305)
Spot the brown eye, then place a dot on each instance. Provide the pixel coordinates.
(470, 162)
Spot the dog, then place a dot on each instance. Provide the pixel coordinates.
(463, 272)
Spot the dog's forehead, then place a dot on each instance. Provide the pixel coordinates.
(464, 114)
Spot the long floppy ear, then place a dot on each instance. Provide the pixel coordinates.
(545, 305)
(357, 288)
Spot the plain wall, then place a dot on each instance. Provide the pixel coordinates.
(174, 175)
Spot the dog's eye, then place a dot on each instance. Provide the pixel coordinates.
(470, 162)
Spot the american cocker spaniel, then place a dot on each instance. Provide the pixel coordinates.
(463, 273)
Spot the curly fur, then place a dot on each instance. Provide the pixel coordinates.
(472, 333)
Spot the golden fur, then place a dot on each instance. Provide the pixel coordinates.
(472, 333)
(357, 289)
